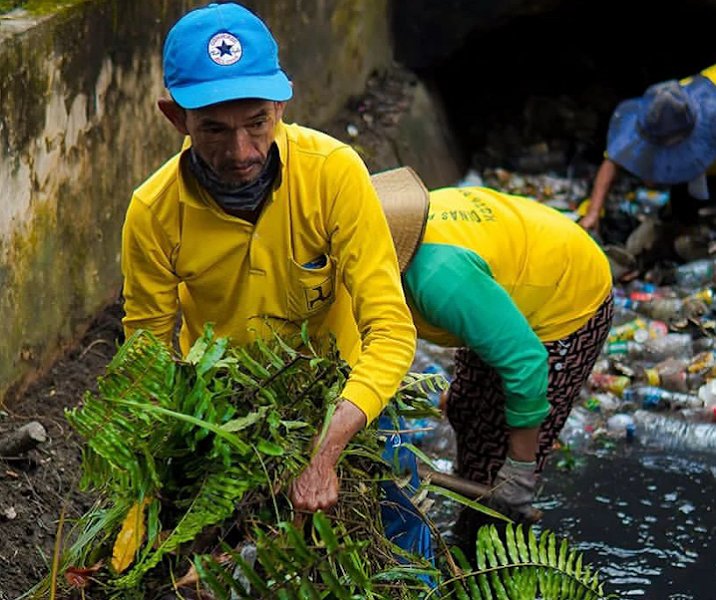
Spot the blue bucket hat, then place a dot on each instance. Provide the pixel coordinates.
(668, 135)
(222, 52)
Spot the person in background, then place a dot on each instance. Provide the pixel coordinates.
(258, 226)
(666, 138)
(525, 294)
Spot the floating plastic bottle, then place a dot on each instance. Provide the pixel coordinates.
(673, 431)
(655, 398)
(654, 349)
(671, 310)
(621, 425)
(706, 414)
(638, 330)
(671, 374)
(578, 430)
(694, 274)
(647, 296)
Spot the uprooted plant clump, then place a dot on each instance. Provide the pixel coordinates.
(189, 461)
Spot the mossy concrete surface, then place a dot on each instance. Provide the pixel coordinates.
(79, 129)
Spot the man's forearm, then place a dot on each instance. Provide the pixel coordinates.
(317, 487)
(347, 420)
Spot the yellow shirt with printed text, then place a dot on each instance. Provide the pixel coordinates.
(553, 271)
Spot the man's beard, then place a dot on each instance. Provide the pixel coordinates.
(233, 196)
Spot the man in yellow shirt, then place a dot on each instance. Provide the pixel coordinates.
(259, 226)
(667, 138)
(525, 295)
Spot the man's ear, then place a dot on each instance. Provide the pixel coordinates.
(175, 113)
(280, 107)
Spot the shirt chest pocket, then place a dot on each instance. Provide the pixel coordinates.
(311, 287)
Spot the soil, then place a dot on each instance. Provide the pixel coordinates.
(43, 483)
(37, 486)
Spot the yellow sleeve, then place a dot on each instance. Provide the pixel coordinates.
(368, 267)
(150, 284)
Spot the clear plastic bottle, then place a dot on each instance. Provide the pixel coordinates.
(655, 398)
(662, 309)
(695, 273)
(706, 414)
(654, 349)
(621, 425)
(671, 310)
(672, 431)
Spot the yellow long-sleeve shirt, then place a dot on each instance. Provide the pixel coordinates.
(182, 253)
(501, 275)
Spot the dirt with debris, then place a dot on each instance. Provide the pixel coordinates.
(42, 484)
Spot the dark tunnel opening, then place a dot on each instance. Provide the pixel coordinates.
(546, 84)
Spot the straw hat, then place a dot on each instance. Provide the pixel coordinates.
(668, 135)
(405, 204)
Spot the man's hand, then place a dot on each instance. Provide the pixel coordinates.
(514, 491)
(317, 487)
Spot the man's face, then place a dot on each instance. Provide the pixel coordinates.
(234, 138)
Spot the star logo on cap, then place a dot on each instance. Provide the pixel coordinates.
(224, 49)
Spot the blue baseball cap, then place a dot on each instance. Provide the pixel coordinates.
(222, 52)
(668, 135)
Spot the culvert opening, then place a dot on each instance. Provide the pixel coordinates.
(535, 92)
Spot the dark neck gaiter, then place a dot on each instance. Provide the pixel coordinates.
(239, 200)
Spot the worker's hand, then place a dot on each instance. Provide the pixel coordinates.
(317, 487)
(514, 491)
(589, 221)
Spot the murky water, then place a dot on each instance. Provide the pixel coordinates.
(644, 517)
(643, 513)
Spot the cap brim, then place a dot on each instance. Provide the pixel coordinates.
(275, 87)
(667, 165)
(405, 203)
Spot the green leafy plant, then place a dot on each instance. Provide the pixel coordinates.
(515, 565)
(190, 460)
(519, 566)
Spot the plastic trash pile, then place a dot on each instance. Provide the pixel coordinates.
(657, 371)
(656, 378)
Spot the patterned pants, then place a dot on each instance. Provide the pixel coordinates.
(476, 401)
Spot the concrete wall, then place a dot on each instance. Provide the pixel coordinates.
(79, 130)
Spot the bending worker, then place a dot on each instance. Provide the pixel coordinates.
(259, 226)
(666, 138)
(526, 296)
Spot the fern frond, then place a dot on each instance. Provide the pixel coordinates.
(215, 501)
(513, 574)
